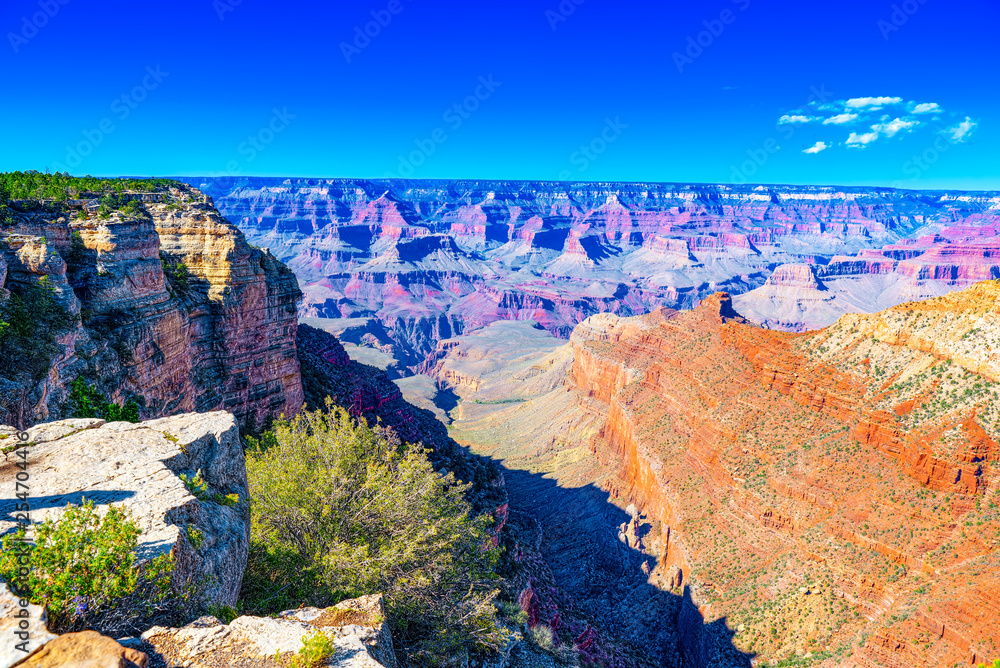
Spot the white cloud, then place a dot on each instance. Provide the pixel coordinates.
(795, 118)
(860, 140)
(896, 126)
(875, 102)
(840, 119)
(887, 117)
(960, 131)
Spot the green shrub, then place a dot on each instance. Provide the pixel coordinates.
(132, 209)
(316, 649)
(341, 509)
(223, 613)
(86, 401)
(228, 500)
(82, 567)
(77, 252)
(195, 536)
(176, 273)
(196, 485)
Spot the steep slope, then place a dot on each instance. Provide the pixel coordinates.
(175, 309)
(831, 495)
(429, 260)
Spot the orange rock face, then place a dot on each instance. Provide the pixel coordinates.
(833, 493)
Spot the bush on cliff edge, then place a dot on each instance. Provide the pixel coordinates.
(82, 569)
(340, 509)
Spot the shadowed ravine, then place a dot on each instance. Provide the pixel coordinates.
(602, 579)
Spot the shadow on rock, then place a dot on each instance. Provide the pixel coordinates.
(592, 576)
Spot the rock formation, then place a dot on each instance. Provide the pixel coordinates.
(138, 466)
(360, 636)
(14, 648)
(431, 260)
(831, 495)
(86, 649)
(875, 279)
(221, 335)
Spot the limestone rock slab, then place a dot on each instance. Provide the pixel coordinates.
(138, 466)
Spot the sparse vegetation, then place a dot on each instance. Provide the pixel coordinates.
(177, 274)
(196, 485)
(316, 649)
(195, 536)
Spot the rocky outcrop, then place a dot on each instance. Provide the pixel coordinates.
(218, 333)
(22, 629)
(432, 260)
(87, 649)
(357, 628)
(138, 466)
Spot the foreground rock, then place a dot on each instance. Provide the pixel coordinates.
(358, 628)
(37, 634)
(88, 649)
(137, 466)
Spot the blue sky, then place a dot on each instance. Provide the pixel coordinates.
(725, 91)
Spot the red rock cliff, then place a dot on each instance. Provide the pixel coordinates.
(816, 489)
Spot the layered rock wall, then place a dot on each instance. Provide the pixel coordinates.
(417, 254)
(222, 337)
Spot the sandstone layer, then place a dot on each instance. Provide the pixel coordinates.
(221, 339)
(831, 496)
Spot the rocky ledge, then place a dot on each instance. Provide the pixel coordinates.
(357, 628)
(138, 466)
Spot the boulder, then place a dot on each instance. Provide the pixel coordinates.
(138, 466)
(37, 634)
(357, 627)
(87, 649)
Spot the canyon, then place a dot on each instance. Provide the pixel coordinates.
(712, 423)
(405, 264)
(831, 498)
(702, 488)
